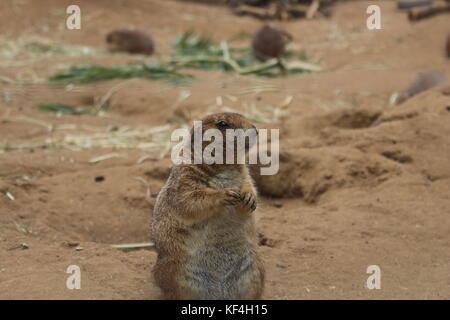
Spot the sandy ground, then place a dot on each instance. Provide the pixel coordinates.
(361, 182)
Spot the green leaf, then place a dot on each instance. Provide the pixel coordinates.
(62, 108)
(91, 73)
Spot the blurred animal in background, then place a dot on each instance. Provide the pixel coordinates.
(423, 82)
(131, 41)
(270, 42)
(448, 46)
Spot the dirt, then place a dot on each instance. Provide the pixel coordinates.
(361, 182)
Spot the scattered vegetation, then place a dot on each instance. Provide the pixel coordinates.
(90, 73)
(152, 140)
(190, 50)
(195, 51)
(27, 50)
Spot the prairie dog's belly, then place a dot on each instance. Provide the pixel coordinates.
(218, 263)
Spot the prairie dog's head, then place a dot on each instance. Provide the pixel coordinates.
(118, 38)
(231, 131)
(226, 120)
(276, 31)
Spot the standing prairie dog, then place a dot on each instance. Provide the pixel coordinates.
(204, 230)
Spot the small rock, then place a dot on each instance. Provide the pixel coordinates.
(278, 205)
(99, 179)
(72, 244)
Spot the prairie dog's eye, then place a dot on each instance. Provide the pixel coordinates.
(222, 124)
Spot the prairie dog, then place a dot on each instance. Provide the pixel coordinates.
(447, 48)
(204, 230)
(270, 42)
(130, 41)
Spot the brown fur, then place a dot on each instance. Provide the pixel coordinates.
(270, 42)
(130, 41)
(204, 229)
(447, 49)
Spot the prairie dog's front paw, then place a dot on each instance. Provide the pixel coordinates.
(231, 197)
(249, 201)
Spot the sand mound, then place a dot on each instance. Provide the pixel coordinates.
(362, 148)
